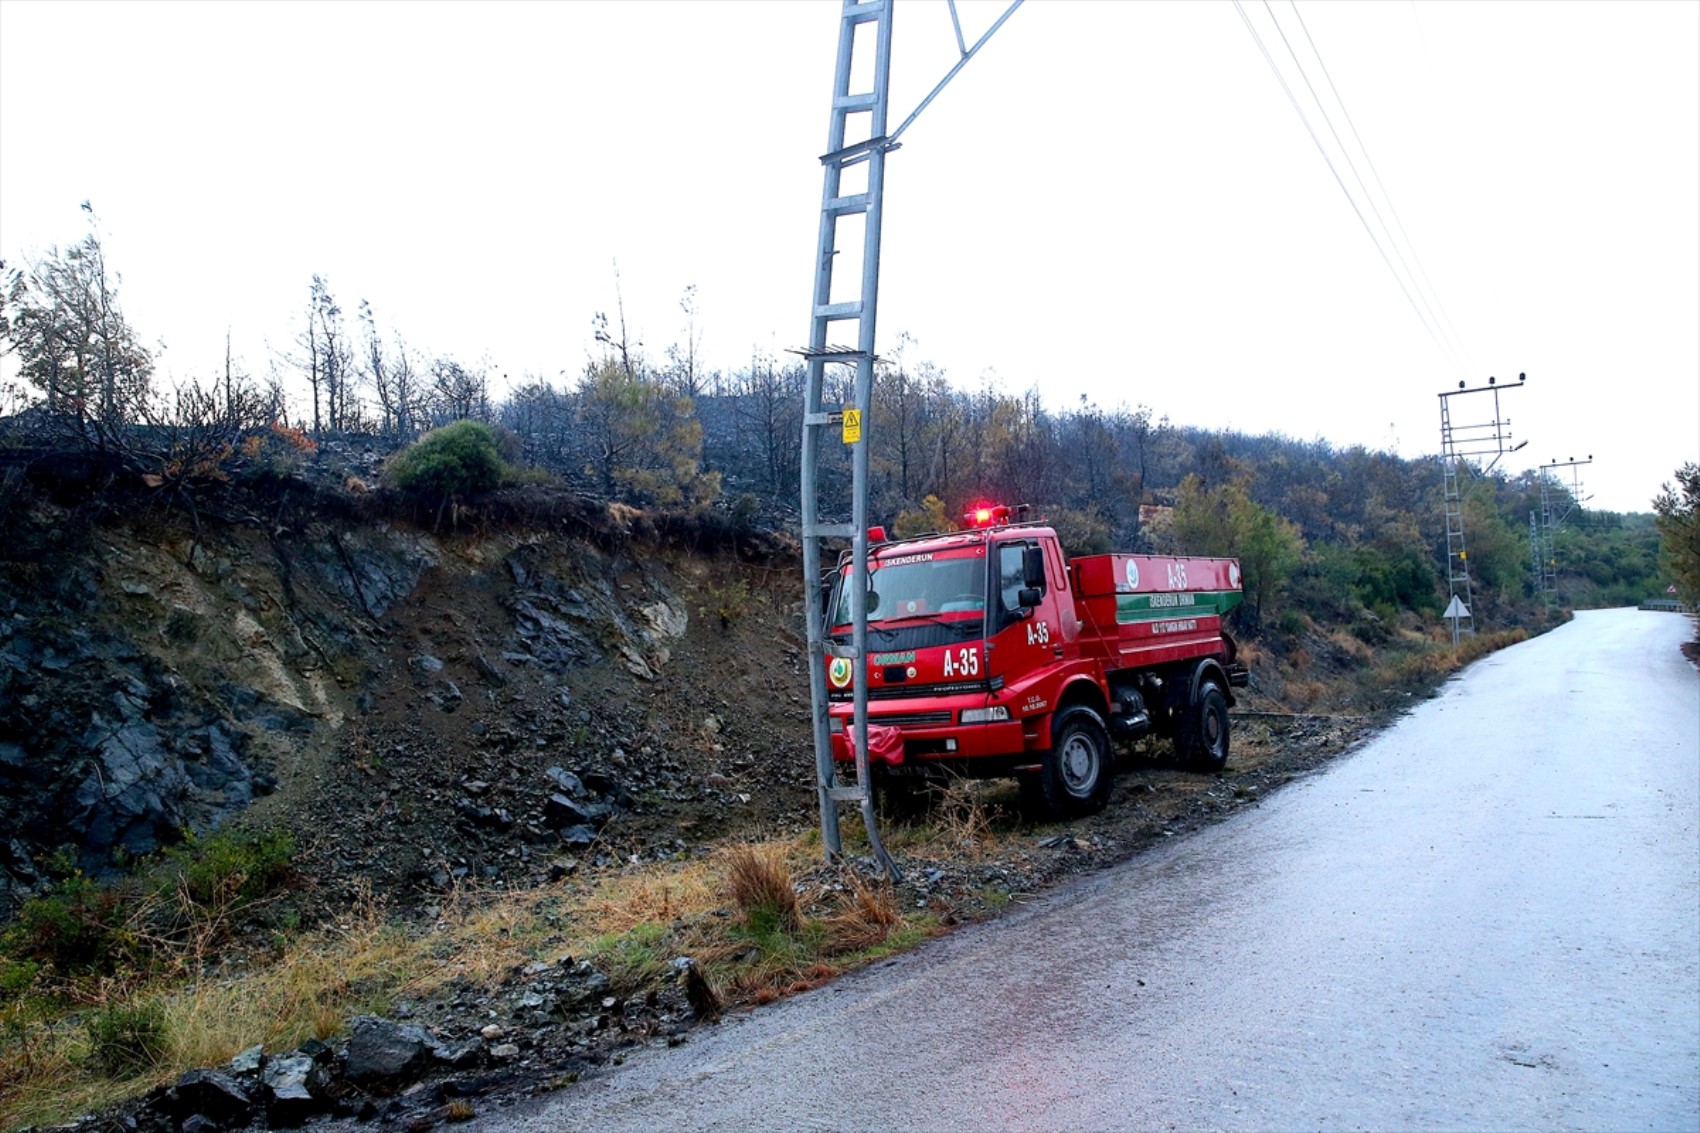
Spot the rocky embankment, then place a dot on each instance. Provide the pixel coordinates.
(419, 706)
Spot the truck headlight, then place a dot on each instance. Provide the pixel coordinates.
(835, 725)
(985, 715)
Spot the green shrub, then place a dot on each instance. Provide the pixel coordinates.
(729, 602)
(231, 865)
(1325, 586)
(77, 926)
(81, 927)
(16, 977)
(456, 460)
(1395, 578)
(124, 1039)
(744, 511)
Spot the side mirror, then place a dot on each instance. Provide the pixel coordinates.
(1033, 568)
(1029, 597)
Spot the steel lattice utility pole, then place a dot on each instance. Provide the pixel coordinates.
(857, 145)
(1552, 519)
(1535, 555)
(1460, 446)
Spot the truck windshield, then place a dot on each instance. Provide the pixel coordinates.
(917, 589)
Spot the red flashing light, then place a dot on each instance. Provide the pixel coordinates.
(876, 534)
(986, 515)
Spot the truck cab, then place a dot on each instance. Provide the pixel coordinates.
(966, 637)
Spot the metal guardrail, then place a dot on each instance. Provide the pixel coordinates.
(1667, 605)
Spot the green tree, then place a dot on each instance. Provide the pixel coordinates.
(1226, 521)
(931, 516)
(1498, 552)
(1389, 577)
(644, 439)
(1678, 519)
(1269, 548)
(1081, 531)
(1200, 524)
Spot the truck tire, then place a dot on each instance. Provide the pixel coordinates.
(900, 798)
(1201, 730)
(1074, 777)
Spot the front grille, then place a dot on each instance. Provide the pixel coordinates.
(911, 719)
(901, 692)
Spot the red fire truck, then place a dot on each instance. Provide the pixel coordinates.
(994, 655)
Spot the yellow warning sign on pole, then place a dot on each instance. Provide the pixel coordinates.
(852, 426)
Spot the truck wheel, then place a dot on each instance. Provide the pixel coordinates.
(900, 798)
(1074, 776)
(1201, 730)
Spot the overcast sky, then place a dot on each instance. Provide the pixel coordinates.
(1112, 200)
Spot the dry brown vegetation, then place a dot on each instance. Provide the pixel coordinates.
(630, 921)
(762, 887)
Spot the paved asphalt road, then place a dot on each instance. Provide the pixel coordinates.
(1488, 918)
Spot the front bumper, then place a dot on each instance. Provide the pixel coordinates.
(936, 741)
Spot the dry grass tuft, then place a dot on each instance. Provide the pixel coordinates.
(964, 817)
(762, 886)
(1481, 644)
(869, 915)
(873, 903)
(971, 821)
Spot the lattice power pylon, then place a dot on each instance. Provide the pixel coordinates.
(1555, 509)
(1461, 446)
(1535, 555)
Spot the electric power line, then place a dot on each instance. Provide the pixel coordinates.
(1386, 196)
(1352, 165)
(1323, 150)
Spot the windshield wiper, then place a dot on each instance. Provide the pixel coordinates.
(934, 619)
(968, 626)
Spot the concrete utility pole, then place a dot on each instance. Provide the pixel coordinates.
(1460, 446)
(857, 145)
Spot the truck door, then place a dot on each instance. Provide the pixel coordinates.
(1026, 638)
